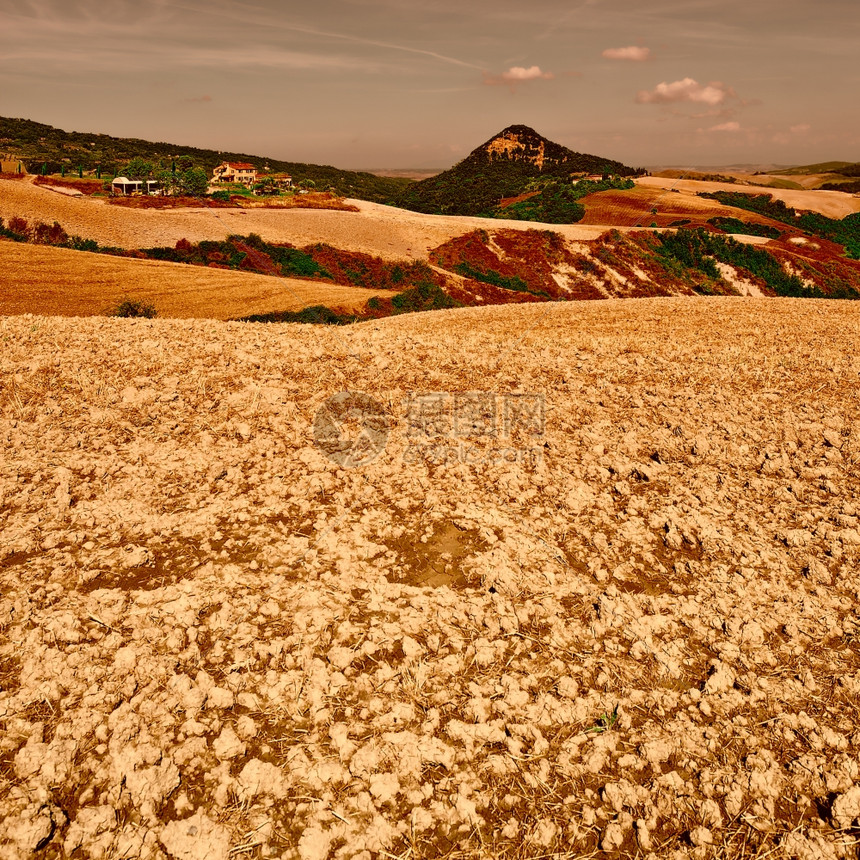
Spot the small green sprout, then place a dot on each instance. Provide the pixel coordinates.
(605, 722)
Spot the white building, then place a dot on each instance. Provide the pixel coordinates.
(235, 171)
(123, 186)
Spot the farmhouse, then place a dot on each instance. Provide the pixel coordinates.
(235, 171)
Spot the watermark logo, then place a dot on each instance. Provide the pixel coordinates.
(476, 428)
(351, 428)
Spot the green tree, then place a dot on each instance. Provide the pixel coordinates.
(266, 186)
(139, 168)
(167, 180)
(194, 182)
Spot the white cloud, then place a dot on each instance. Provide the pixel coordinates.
(686, 90)
(515, 74)
(632, 53)
(518, 75)
(726, 126)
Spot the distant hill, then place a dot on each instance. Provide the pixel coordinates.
(507, 166)
(36, 144)
(811, 169)
(829, 175)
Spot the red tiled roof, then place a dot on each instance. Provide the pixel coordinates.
(240, 165)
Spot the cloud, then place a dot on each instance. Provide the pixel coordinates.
(726, 126)
(800, 129)
(517, 75)
(686, 90)
(198, 100)
(632, 53)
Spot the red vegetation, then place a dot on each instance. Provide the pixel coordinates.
(354, 269)
(820, 261)
(154, 201)
(49, 234)
(531, 256)
(477, 293)
(85, 186)
(322, 200)
(255, 260)
(19, 225)
(509, 201)
(39, 233)
(623, 266)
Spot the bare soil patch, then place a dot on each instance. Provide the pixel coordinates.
(210, 644)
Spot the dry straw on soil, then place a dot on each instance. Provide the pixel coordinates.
(641, 639)
(73, 283)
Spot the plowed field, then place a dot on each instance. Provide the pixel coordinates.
(596, 594)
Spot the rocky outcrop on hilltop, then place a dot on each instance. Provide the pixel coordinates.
(502, 168)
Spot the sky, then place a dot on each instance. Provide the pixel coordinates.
(420, 83)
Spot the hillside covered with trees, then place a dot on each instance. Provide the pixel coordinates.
(37, 144)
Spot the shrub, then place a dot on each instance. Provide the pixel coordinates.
(295, 262)
(425, 296)
(515, 282)
(53, 234)
(735, 225)
(19, 226)
(845, 232)
(698, 249)
(316, 315)
(135, 308)
(253, 240)
(78, 243)
(11, 234)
